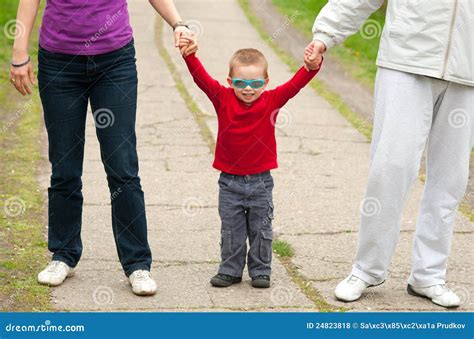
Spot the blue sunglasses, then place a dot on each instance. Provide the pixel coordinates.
(241, 83)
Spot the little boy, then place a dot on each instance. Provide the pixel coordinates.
(245, 154)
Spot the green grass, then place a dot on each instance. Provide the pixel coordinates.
(22, 242)
(467, 210)
(282, 248)
(307, 287)
(357, 54)
(7, 13)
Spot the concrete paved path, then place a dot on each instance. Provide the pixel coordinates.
(318, 189)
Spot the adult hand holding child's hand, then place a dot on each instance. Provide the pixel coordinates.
(187, 44)
(313, 55)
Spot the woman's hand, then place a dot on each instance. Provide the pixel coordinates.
(187, 43)
(168, 11)
(24, 76)
(179, 32)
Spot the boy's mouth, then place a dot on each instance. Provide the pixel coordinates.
(247, 95)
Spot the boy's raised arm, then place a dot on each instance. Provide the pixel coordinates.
(205, 82)
(289, 89)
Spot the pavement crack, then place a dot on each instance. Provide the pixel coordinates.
(145, 88)
(307, 287)
(317, 233)
(332, 261)
(162, 263)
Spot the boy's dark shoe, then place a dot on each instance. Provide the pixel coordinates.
(224, 280)
(261, 281)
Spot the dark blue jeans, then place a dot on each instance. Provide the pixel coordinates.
(109, 82)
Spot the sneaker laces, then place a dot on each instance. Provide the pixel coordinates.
(142, 275)
(442, 289)
(54, 266)
(352, 279)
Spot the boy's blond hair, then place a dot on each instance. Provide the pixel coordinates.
(248, 56)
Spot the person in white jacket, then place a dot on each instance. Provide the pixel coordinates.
(424, 97)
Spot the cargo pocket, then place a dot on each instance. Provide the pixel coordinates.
(266, 246)
(267, 215)
(270, 210)
(226, 244)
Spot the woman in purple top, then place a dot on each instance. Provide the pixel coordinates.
(86, 55)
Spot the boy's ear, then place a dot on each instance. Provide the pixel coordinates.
(229, 81)
(267, 80)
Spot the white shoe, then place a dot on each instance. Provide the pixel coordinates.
(438, 294)
(142, 283)
(55, 273)
(350, 289)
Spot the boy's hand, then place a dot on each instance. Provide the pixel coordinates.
(313, 55)
(187, 44)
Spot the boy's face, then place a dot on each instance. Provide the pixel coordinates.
(248, 94)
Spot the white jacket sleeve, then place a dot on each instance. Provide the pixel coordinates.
(342, 18)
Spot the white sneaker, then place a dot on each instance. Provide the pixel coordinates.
(55, 273)
(438, 294)
(350, 289)
(142, 283)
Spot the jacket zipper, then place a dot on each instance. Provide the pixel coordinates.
(448, 48)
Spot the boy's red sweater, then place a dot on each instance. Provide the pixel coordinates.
(246, 134)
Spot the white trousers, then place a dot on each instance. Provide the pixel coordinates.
(411, 112)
